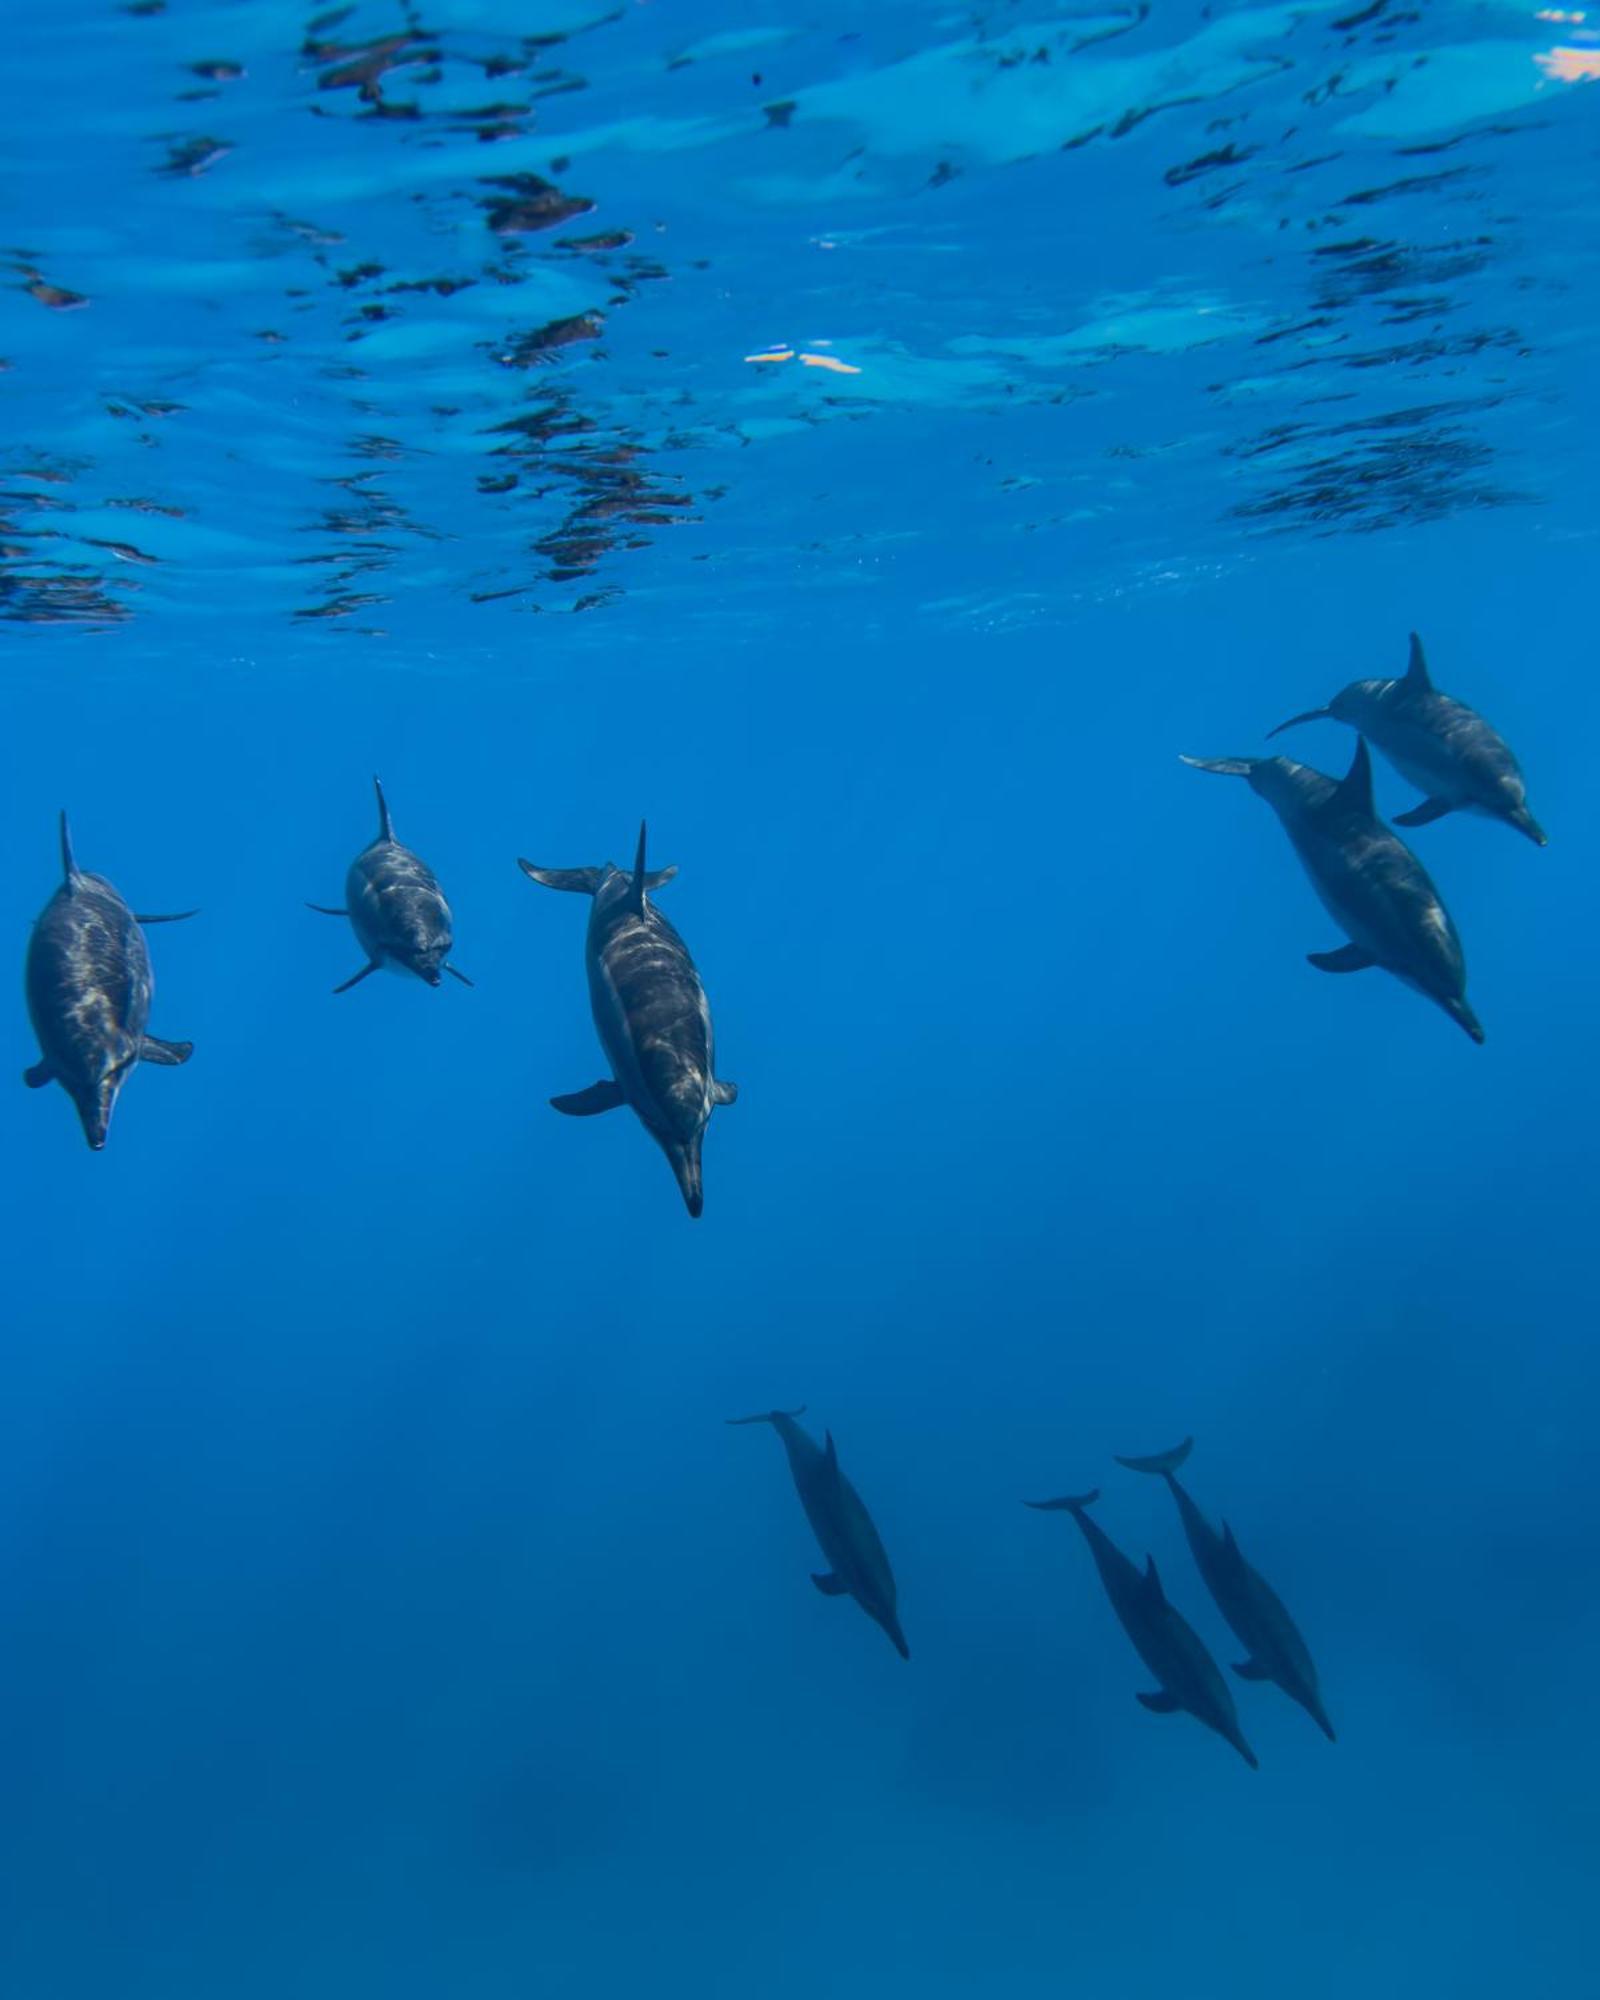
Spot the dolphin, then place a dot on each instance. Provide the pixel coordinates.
(1275, 1649)
(1368, 880)
(651, 1014)
(1162, 1637)
(843, 1527)
(1443, 747)
(396, 909)
(89, 986)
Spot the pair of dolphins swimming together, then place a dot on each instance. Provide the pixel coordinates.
(89, 987)
(1369, 881)
(1188, 1677)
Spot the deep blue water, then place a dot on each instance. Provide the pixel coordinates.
(384, 1606)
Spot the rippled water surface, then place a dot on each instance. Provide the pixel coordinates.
(872, 444)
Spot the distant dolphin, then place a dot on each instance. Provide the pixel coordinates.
(89, 986)
(1276, 1651)
(1369, 881)
(1162, 1637)
(841, 1524)
(396, 909)
(1445, 748)
(651, 1014)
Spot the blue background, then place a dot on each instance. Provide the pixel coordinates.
(383, 1605)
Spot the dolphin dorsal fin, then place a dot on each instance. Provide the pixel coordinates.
(1355, 787)
(385, 824)
(1152, 1580)
(69, 867)
(831, 1451)
(636, 894)
(1417, 677)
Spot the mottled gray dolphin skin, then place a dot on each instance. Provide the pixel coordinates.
(89, 985)
(858, 1567)
(396, 909)
(1273, 1645)
(650, 1012)
(1443, 747)
(1368, 880)
(1162, 1637)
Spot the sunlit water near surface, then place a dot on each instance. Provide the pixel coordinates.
(874, 447)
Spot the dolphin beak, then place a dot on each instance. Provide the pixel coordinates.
(1459, 1011)
(1227, 767)
(94, 1114)
(891, 1625)
(1524, 822)
(1311, 715)
(686, 1166)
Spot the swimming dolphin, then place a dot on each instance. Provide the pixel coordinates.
(651, 1014)
(1369, 881)
(89, 985)
(396, 909)
(843, 1527)
(1162, 1637)
(1275, 1649)
(1445, 748)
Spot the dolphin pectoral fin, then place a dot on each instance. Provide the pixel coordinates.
(724, 1093)
(1159, 1703)
(169, 1055)
(173, 917)
(576, 881)
(830, 1586)
(766, 1416)
(658, 877)
(356, 979)
(38, 1076)
(1426, 813)
(1227, 767)
(1251, 1670)
(602, 1096)
(323, 910)
(1311, 715)
(1348, 958)
(454, 974)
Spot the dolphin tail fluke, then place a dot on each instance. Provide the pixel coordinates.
(766, 1416)
(576, 881)
(1227, 767)
(1311, 715)
(385, 823)
(1069, 1503)
(69, 867)
(1163, 1461)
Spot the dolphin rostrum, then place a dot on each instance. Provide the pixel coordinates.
(89, 985)
(1162, 1637)
(1368, 880)
(1274, 1648)
(396, 909)
(1443, 747)
(651, 1014)
(843, 1527)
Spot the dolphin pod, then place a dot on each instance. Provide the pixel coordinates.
(89, 987)
(650, 1012)
(396, 909)
(1274, 1649)
(1187, 1677)
(1443, 747)
(1368, 880)
(858, 1567)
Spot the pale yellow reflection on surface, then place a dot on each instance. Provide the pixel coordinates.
(1570, 65)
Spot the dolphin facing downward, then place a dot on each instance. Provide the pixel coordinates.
(89, 986)
(651, 1013)
(843, 1527)
(1445, 748)
(396, 909)
(1275, 1649)
(1368, 880)
(1162, 1637)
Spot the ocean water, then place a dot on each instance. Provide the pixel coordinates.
(873, 447)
